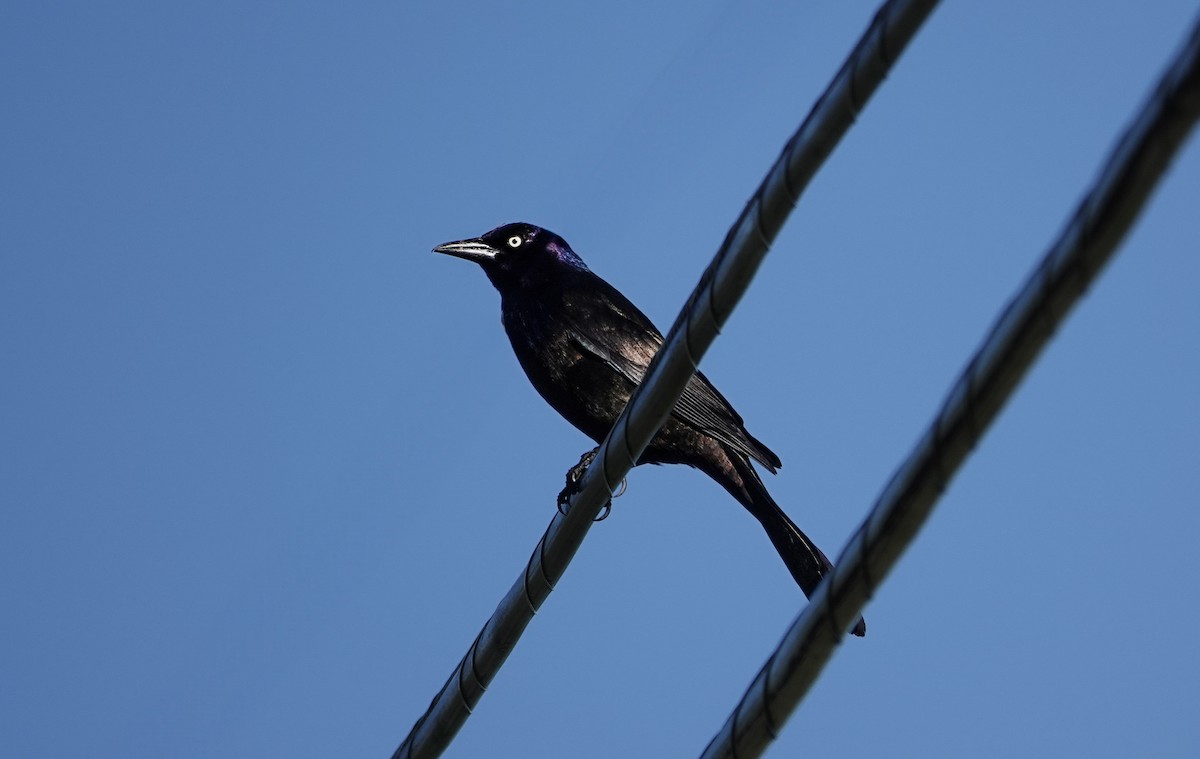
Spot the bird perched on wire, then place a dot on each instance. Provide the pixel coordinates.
(585, 347)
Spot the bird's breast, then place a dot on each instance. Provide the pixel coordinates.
(582, 388)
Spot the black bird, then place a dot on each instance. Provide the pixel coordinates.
(585, 347)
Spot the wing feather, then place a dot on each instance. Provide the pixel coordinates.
(700, 406)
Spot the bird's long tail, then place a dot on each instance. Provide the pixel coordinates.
(804, 560)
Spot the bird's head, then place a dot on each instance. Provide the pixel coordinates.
(517, 255)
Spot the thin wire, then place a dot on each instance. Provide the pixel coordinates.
(718, 292)
(1024, 327)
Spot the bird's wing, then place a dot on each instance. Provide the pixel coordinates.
(702, 406)
(626, 340)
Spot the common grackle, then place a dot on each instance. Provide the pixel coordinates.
(585, 347)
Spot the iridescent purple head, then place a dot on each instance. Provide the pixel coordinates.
(517, 255)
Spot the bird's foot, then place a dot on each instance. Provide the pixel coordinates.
(574, 475)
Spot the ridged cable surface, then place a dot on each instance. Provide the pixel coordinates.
(718, 292)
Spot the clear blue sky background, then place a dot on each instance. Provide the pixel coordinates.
(267, 463)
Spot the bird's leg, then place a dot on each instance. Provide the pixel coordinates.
(574, 475)
(573, 485)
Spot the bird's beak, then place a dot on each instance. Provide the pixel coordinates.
(473, 250)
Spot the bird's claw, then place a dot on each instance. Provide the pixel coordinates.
(574, 475)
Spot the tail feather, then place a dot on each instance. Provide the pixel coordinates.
(806, 563)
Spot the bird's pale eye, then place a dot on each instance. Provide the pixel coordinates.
(514, 241)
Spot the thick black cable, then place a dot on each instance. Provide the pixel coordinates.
(709, 306)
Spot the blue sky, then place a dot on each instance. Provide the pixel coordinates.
(267, 463)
